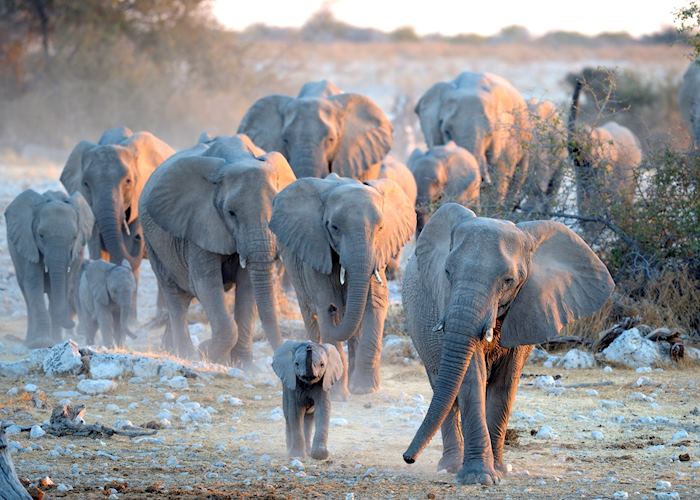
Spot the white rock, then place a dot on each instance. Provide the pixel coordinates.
(30, 388)
(12, 391)
(237, 373)
(544, 381)
(597, 436)
(169, 396)
(276, 414)
(662, 485)
(122, 424)
(66, 394)
(643, 381)
(164, 414)
(546, 432)
(644, 369)
(608, 404)
(112, 407)
(295, 463)
(592, 392)
(171, 462)
(63, 488)
(550, 361)
(338, 422)
(99, 386)
(608, 369)
(227, 398)
(196, 416)
(36, 432)
(178, 382)
(576, 359)
(146, 367)
(12, 430)
(639, 396)
(680, 435)
(666, 495)
(63, 358)
(621, 494)
(110, 365)
(396, 349)
(632, 350)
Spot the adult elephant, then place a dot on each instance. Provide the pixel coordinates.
(486, 115)
(111, 175)
(321, 131)
(337, 236)
(689, 100)
(46, 236)
(442, 174)
(477, 294)
(548, 157)
(205, 215)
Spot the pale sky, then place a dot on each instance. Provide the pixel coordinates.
(450, 17)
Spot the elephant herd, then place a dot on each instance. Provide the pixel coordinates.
(306, 188)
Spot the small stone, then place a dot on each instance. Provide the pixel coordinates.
(684, 457)
(643, 369)
(662, 485)
(544, 382)
(231, 400)
(30, 388)
(237, 373)
(545, 432)
(666, 495)
(592, 392)
(96, 386)
(63, 358)
(171, 462)
(338, 422)
(295, 463)
(63, 488)
(680, 435)
(695, 465)
(112, 407)
(576, 359)
(133, 406)
(123, 424)
(12, 430)
(621, 494)
(36, 432)
(178, 382)
(608, 369)
(350, 496)
(169, 396)
(639, 396)
(12, 391)
(276, 414)
(212, 475)
(597, 436)
(608, 404)
(541, 482)
(643, 381)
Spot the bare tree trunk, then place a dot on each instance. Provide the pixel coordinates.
(10, 486)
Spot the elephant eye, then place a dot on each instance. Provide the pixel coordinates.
(448, 135)
(296, 363)
(85, 183)
(509, 282)
(232, 213)
(323, 364)
(447, 272)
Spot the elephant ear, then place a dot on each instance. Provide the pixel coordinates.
(399, 219)
(19, 216)
(416, 155)
(283, 173)
(321, 88)
(566, 281)
(263, 122)
(115, 135)
(86, 222)
(433, 245)
(72, 174)
(96, 274)
(428, 111)
(334, 367)
(366, 136)
(182, 203)
(283, 363)
(297, 221)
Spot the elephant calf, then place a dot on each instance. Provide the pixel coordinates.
(442, 174)
(307, 370)
(46, 236)
(106, 299)
(477, 295)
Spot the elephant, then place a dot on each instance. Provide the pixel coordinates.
(111, 175)
(477, 294)
(308, 371)
(322, 131)
(46, 236)
(106, 298)
(689, 100)
(398, 172)
(548, 157)
(486, 115)
(205, 215)
(442, 174)
(336, 228)
(605, 160)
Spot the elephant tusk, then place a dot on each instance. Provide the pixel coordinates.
(379, 278)
(69, 268)
(342, 275)
(126, 228)
(489, 335)
(439, 327)
(243, 261)
(46, 268)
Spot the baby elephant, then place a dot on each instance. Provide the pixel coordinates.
(307, 370)
(106, 299)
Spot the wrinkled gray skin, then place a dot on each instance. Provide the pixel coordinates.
(308, 371)
(486, 115)
(205, 216)
(324, 226)
(477, 294)
(548, 157)
(444, 173)
(399, 173)
(321, 131)
(689, 100)
(106, 296)
(46, 236)
(111, 175)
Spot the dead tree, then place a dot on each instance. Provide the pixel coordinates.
(10, 486)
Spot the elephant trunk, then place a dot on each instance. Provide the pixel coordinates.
(359, 271)
(109, 216)
(262, 266)
(463, 330)
(57, 265)
(309, 162)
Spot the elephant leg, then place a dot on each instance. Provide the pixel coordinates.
(244, 314)
(477, 466)
(339, 390)
(308, 428)
(365, 376)
(87, 326)
(452, 442)
(38, 321)
(500, 395)
(106, 322)
(322, 417)
(294, 415)
(176, 338)
(209, 290)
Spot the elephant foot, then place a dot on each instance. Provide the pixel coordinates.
(214, 352)
(451, 462)
(361, 383)
(319, 453)
(477, 473)
(297, 453)
(501, 468)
